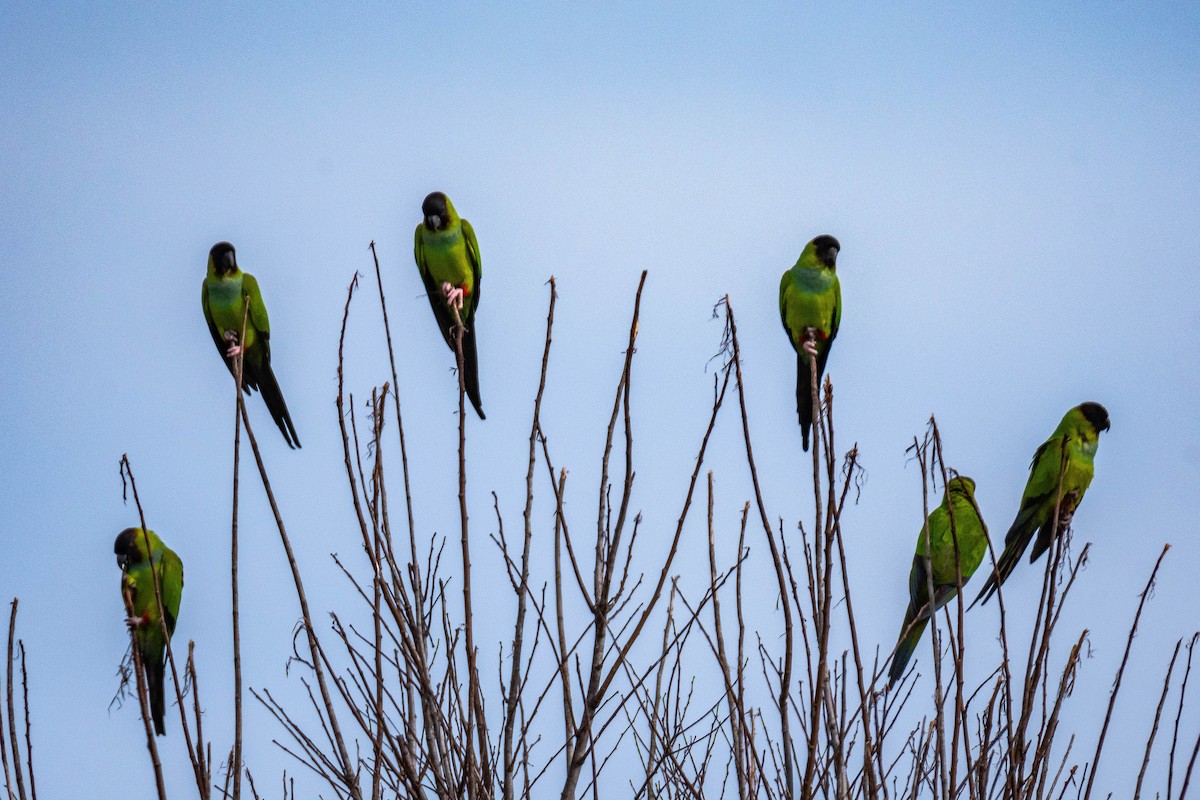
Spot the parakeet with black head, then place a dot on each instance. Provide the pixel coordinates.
(447, 256)
(810, 305)
(137, 553)
(969, 530)
(1070, 452)
(224, 295)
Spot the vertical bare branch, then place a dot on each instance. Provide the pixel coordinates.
(514, 683)
(12, 714)
(1112, 699)
(346, 773)
(736, 713)
(785, 678)
(204, 778)
(8, 781)
(399, 422)
(28, 731)
(1187, 673)
(235, 765)
(1162, 701)
(475, 717)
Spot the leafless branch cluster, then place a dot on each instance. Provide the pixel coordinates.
(791, 717)
(620, 676)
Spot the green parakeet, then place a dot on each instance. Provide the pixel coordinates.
(223, 295)
(972, 544)
(810, 305)
(1079, 434)
(447, 256)
(137, 590)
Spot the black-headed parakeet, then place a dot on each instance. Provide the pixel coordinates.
(1070, 452)
(136, 552)
(224, 295)
(810, 305)
(447, 256)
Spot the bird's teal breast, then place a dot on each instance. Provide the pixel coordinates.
(227, 306)
(1080, 467)
(810, 302)
(813, 280)
(446, 257)
(225, 302)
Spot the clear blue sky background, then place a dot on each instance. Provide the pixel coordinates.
(1014, 187)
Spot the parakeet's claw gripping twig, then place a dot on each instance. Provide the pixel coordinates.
(810, 342)
(234, 349)
(1067, 510)
(452, 294)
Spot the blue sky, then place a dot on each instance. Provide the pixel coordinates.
(1014, 188)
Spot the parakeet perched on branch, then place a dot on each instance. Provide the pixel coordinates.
(810, 305)
(135, 559)
(1069, 452)
(968, 528)
(447, 256)
(224, 294)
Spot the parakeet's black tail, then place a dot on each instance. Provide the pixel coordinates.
(268, 387)
(910, 634)
(804, 395)
(471, 371)
(154, 684)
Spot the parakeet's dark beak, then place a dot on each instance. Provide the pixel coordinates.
(432, 222)
(121, 561)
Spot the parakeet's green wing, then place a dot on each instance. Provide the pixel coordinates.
(834, 323)
(837, 308)
(258, 309)
(947, 564)
(918, 590)
(783, 312)
(171, 586)
(783, 307)
(1044, 470)
(476, 263)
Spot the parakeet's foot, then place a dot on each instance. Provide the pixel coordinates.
(810, 342)
(133, 623)
(234, 349)
(1067, 510)
(452, 294)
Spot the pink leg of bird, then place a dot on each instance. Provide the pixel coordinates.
(452, 294)
(810, 342)
(234, 349)
(135, 622)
